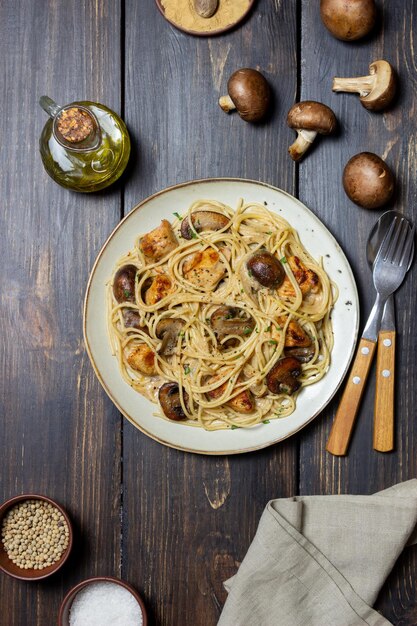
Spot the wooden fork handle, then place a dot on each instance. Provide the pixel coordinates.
(344, 421)
(384, 392)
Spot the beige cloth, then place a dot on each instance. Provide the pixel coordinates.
(321, 560)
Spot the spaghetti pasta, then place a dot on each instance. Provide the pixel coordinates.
(194, 313)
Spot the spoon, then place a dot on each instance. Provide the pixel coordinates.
(389, 270)
(383, 439)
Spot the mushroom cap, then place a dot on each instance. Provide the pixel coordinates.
(384, 89)
(311, 115)
(348, 20)
(368, 181)
(250, 93)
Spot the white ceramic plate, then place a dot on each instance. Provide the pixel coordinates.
(318, 241)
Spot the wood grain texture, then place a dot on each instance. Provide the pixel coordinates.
(59, 435)
(383, 438)
(344, 421)
(392, 135)
(189, 519)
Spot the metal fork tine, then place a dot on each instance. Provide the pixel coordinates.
(408, 248)
(399, 249)
(393, 242)
(386, 241)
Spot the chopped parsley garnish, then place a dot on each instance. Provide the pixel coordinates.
(181, 333)
(273, 342)
(233, 427)
(269, 232)
(268, 329)
(266, 422)
(187, 370)
(247, 331)
(283, 260)
(177, 215)
(193, 235)
(250, 273)
(127, 293)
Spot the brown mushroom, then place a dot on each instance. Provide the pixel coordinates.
(131, 319)
(206, 8)
(348, 20)
(203, 221)
(231, 320)
(283, 377)
(309, 118)
(266, 269)
(368, 181)
(376, 91)
(124, 284)
(168, 330)
(169, 399)
(304, 355)
(249, 93)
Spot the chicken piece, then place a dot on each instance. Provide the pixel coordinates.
(159, 288)
(242, 403)
(306, 278)
(295, 335)
(158, 243)
(142, 359)
(204, 268)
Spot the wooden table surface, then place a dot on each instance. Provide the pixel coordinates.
(173, 524)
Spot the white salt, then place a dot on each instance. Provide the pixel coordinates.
(105, 604)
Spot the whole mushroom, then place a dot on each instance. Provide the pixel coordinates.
(309, 118)
(376, 91)
(283, 377)
(206, 8)
(368, 181)
(348, 20)
(249, 94)
(124, 284)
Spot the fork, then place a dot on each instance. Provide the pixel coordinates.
(389, 270)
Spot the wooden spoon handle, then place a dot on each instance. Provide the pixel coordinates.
(384, 392)
(344, 421)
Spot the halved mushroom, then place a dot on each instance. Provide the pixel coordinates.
(142, 359)
(168, 330)
(348, 20)
(368, 181)
(376, 91)
(231, 320)
(124, 283)
(309, 118)
(158, 243)
(131, 319)
(266, 269)
(283, 377)
(304, 355)
(249, 94)
(203, 221)
(242, 403)
(169, 399)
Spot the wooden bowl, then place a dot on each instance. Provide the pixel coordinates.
(64, 611)
(7, 566)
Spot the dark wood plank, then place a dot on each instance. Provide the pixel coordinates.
(391, 135)
(59, 434)
(189, 519)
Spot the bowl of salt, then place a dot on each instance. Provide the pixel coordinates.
(102, 601)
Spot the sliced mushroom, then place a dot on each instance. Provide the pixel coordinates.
(283, 377)
(131, 319)
(242, 403)
(124, 284)
(206, 8)
(158, 243)
(168, 330)
(266, 269)
(309, 118)
(230, 320)
(304, 355)
(203, 221)
(249, 94)
(376, 91)
(142, 359)
(169, 399)
(368, 181)
(348, 20)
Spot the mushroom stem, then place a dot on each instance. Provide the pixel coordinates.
(300, 146)
(226, 104)
(361, 84)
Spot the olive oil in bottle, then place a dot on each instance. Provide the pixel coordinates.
(84, 146)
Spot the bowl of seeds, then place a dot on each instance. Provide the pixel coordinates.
(36, 537)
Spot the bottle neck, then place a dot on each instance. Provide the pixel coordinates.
(75, 127)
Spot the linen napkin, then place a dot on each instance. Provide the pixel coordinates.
(321, 560)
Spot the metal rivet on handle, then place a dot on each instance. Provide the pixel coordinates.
(356, 380)
(386, 373)
(387, 343)
(365, 350)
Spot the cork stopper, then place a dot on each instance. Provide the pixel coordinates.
(75, 125)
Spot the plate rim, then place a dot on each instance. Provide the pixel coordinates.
(87, 293)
